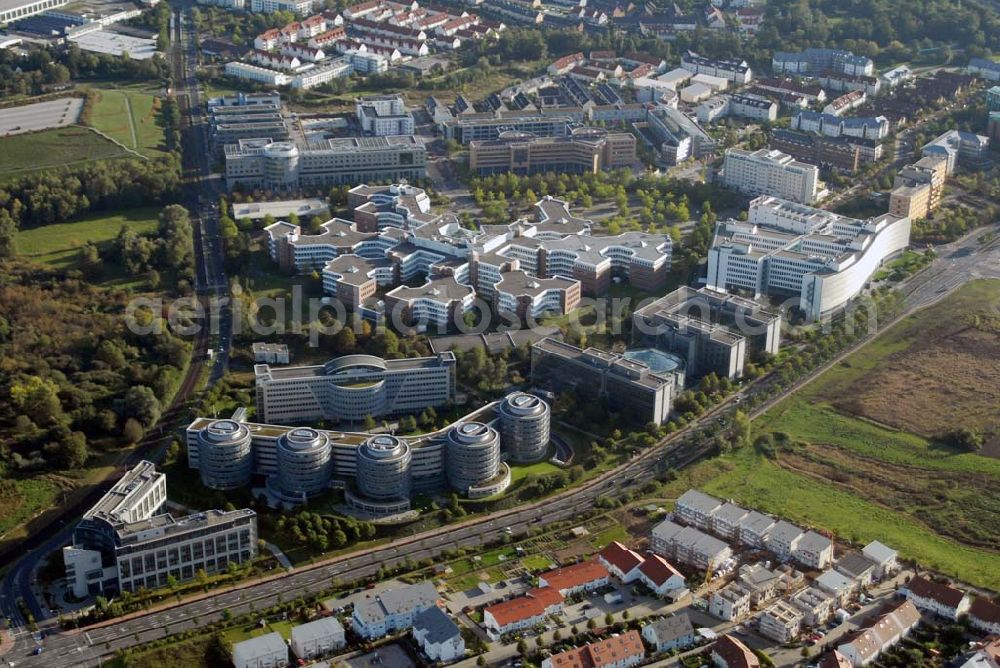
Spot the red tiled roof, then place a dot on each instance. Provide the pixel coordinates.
(734, 653)
(532, 604)
(658, 569)
(621, 557)
(833, 659)
(576, 575)
(942, 593)
(568, 60)
(607, 652)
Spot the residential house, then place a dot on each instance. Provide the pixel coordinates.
(619, 651)
(940, 599)
(266, 651)
(813, 550)
(984, 615)
(762, 582)
(696, 509)
(661, 539)
(837, 585)
(621, 562)
(522, 612)
(726, 521)
(660, 576)
(858, 567)
(783, 538)
(318, 638)
(392, 610)
(882, 556)
(584, 576)
(438, 636)
(731, 603)
(669, 633)
(699, 550)
(728, 652)
(754, 529)
(833, 659)
(781, 622)
(816, 605)
(880, 634)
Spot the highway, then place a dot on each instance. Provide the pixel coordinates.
(956, 264)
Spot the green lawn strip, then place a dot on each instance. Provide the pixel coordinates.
(758, 483)
(58, 245)
(518, 473)
(21, 500)
(48, 149)
(610, 535)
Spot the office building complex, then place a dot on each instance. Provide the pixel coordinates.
(815, 61)
(917, 188)
(770, 172)
(623, 385)
(384, 115)
(489, 126)
(126, 541)
(354, 387)
(788, 249)
(674, 136)
(585, 150)
(958, 146)
(226, 455)
(380, 472)
(714, 332)
(283, 165)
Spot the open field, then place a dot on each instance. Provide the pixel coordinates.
(53, 148)
(22, 499)
(857, 453)
(131, 117)
(59, 245)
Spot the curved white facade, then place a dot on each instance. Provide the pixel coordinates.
(524, 425)
(225, 455)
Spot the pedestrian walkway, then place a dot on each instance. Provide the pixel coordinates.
(279, 555)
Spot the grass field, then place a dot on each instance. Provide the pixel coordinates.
(53, 148)
(863, 460)
(131, 117)
(59, 245)
(20, 500)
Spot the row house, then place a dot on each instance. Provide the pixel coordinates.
(984, 615)
(728, 652)
(267, 40)
(660, 576)
(304, 53)
(452, 27)
(622, 650)
(941, 599)
(275, 61)
(621, 562)
(696, 509)
(388, 29)
(813, 550)
(880, 634)
(328, 38)
(522, 612)
(566, 63)
(584, 576)
(405, 45)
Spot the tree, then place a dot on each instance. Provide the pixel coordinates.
(368, 423)
(38, 398)
(132, 431)
(8, 235)
(141, 403)
(71, 452)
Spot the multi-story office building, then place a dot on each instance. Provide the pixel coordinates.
(384, 115)
(379, 473)
(819, 257)
(489, 126)
(529, 297)
(770, 172)
(958, 146)
(354, 387)
(355, 280)
(263, 163)
(586, 150)
(621, 384)
(294, 251)
(126, 542)
(736, 71)
(713, 331)
(815, 61)
(440, 302)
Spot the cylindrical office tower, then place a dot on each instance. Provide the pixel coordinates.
(524, 427)
(281, 165)
(384, 468)
(473, 455)
(225, 455)
(304, 462)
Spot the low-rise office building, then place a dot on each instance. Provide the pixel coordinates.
(270, 353)
(284, 165)
(958, 147)
(585, 150)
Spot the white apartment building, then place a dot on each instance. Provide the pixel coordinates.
(787, 249)
(256, 73)
(771, 172)
(317, 639)
(266, 651)
(814, 550)
(384, 115)
(783, 538)
(354, 387)
(300, 7)
(392, 609)
(317, 75)
(780, 622)
(731, 603)
(438, 635)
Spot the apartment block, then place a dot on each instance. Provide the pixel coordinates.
(731, 603)
(619, 651)
(392, 609)
(879, 634)
(384, 116)
(817, 60)
(781, 622)
(770, 172)
(736, 71)
(814, 550)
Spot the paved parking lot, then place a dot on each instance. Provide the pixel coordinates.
(40, 116)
